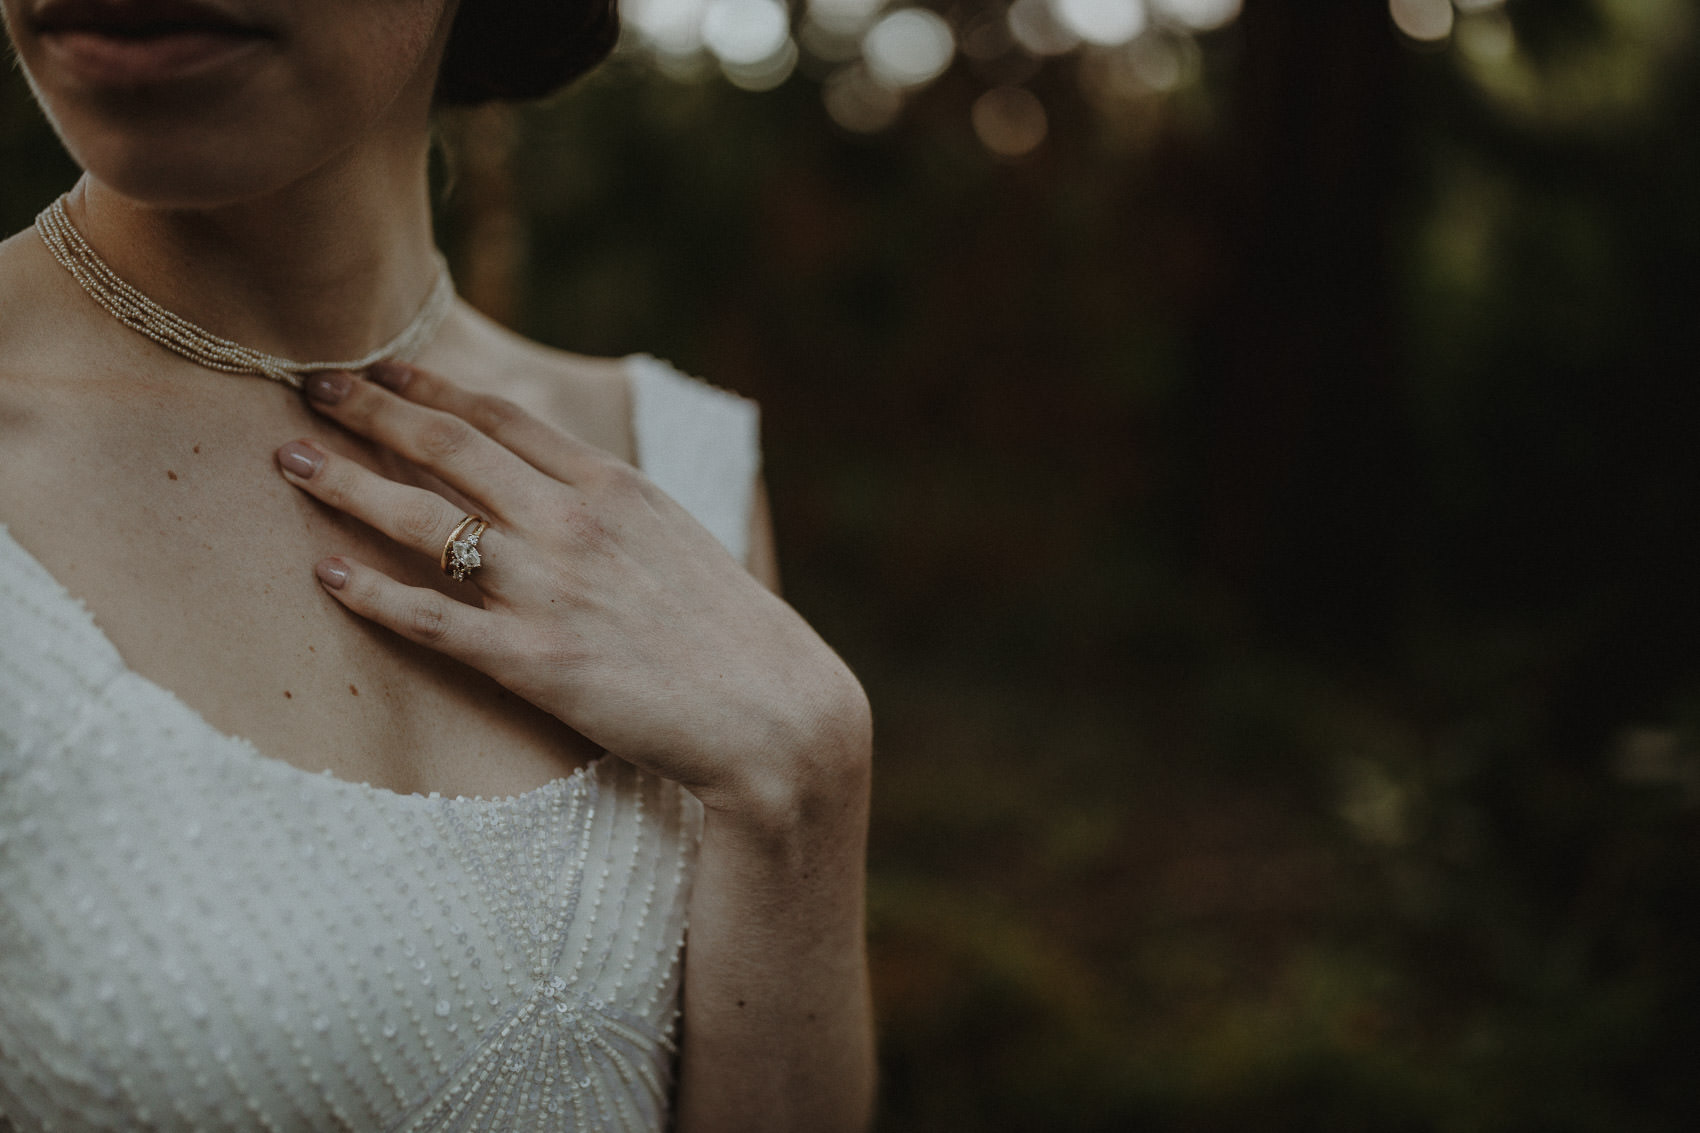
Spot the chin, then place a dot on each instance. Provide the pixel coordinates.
(196, 174)
(254, 127)
(189, 160)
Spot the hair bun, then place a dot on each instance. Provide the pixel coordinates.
(511, 50)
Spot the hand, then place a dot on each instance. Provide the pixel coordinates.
(603, 601)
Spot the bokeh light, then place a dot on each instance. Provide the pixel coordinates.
(1162, 63)
(859, 102)
(874, 54)
(670, 27)
(1106, 23)
(1426, 21)
(1035, 26)
(870, 55)
(764, 74)
(1198, 15)
(1487, 37)
(745, 33)
(850, 18)
(1135, 73)
(909, 48)
(1010, 121)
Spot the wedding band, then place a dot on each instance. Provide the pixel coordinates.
(460, 553)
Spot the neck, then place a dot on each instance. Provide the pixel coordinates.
(330, 267)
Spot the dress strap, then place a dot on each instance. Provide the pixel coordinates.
(700, 444)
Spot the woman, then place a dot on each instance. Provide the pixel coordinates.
(305, 820)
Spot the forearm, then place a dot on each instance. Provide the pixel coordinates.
(778, 1031)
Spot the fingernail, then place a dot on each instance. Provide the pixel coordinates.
(390, 375)
(300, 458)
(329, 386)
(333, 573)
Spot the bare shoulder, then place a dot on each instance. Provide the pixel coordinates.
(588, 397)
(32, 339)
(14, 295)
(47, 323)
(38, 343)
(16, 247)
(20, 308)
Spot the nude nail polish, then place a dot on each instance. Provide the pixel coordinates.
(333, 573)
(301, 459)
(328, 387)
(390, 375)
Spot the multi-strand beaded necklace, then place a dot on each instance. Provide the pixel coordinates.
(141, 314)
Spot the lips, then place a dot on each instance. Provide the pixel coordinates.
(132, 43)
(141, 19)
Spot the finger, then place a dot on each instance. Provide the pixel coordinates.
(552, 451)
(439, 442)
(418, 613)
(417, 519)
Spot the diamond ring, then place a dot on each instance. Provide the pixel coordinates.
(460, 553)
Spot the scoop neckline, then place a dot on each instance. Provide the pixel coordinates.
(582, 775)
(243, 746)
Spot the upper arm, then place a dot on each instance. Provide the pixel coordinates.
(762, 559)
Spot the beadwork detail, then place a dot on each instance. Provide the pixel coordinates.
(194, 936)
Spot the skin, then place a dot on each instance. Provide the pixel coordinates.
(281, 201)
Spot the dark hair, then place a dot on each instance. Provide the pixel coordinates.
(509, 50)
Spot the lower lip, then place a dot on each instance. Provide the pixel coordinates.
(116, 61)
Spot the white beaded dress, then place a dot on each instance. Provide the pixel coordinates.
(194, 936)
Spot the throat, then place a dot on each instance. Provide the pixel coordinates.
(131, 306)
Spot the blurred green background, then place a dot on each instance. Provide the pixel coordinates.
(1259, 503)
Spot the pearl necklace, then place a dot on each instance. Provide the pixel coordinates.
(141, 314)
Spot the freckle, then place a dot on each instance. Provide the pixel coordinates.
(310, 649)
(197, 448)
(353, 690)
(811, 1016)
(287, 695)
(170, 475)
(740, 1003)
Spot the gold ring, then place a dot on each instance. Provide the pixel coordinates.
(460, 553)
